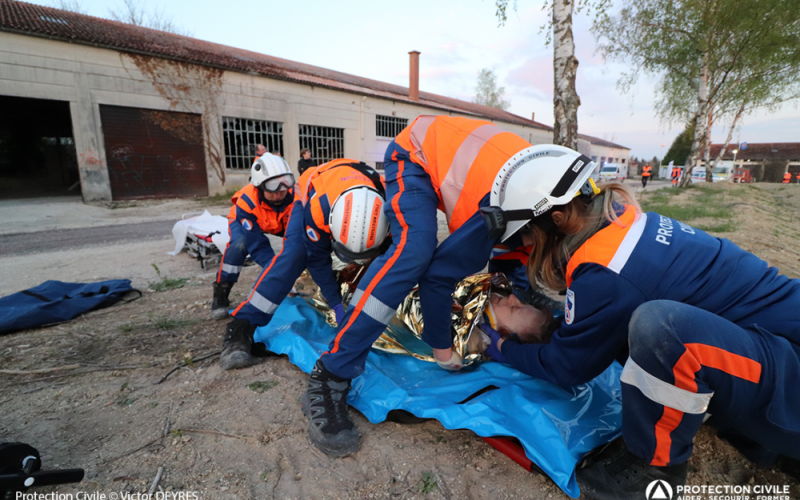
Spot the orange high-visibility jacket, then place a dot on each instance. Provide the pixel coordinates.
(329, 180)
(462, 156)
(271, 219)
(646, 171)
(787, 177)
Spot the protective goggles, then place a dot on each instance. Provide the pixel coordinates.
(282, 183)
(349, 257)
(496, 219)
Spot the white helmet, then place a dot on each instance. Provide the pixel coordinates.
(532, 182)
(358, 225)
(271, 172)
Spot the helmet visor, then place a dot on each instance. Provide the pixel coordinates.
(282, 183)
(348, 256)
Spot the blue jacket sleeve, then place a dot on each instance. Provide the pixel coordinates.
(464, 252)
(319, 261)
(602, 303)
(257, 243)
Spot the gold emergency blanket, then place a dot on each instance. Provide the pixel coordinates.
(403, 335)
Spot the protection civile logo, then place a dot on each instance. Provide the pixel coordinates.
(247, 224)
(659, 490)
(312, 235)
(569, 307)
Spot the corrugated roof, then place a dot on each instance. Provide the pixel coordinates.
(760, 151)
(601, 142)
(25, 18)
(37, 20)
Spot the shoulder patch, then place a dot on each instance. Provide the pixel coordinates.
(247, 224)
(312, 235)
(569, 307)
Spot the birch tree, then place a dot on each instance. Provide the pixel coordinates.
(488, 93)
(565, 65)
(717, 60)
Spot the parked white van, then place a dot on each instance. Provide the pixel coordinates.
(613, 172)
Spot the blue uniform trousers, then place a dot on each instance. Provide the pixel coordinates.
(236, 252)
(278, 276)
(411, 208)
(685, 361)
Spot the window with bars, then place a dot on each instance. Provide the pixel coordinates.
(389, 126)
(379, 166)
(241, 137)
(325, 143)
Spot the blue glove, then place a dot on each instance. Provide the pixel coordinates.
(492, 349)
(338, 310)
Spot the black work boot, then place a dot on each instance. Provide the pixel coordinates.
(237, 344)
(221, 303)
(325, 404)
(623, 476)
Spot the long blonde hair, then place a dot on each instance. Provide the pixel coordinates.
(549, 254)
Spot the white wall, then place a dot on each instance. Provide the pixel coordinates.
(87, 77)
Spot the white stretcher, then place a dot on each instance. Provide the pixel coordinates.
(204, 236)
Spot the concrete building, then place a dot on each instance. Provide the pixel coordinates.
(115, 111)
(767, 161)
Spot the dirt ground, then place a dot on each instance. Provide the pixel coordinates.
(101, 409)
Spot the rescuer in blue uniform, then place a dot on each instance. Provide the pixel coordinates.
(700, 325)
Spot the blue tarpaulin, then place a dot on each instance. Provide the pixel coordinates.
(57, 301)
(556, 427)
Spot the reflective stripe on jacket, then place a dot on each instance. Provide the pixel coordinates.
(462, 156)
(271, 219)
(321, 186)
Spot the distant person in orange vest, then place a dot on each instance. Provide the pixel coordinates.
(647, 171)
(676, 176)
(437, 162)
(787, 178)
(798, 177)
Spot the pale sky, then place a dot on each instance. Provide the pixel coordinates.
(457, 38)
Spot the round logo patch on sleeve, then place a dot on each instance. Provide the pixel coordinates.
(247, 224)
(312, 235)
(569, 307)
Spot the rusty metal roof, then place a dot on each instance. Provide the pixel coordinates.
(760, 151)
(37, 20)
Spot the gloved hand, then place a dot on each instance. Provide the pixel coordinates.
(492, 350)
(338, 310)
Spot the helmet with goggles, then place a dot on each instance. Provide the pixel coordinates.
(358, 225)
(271, 173)
(532, 182)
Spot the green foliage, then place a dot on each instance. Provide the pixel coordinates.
(488, 93)
(681, 146)
(748, 49)
(428, 482)
(219, 198)
(262, 386)
(166, 283)
(686, 213)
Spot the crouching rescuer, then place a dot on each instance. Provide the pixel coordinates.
(262, 207)
(337, 207)
(701, 326)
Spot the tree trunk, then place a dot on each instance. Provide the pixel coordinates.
(707, 155)
(565, 67)
(727, 140)
(701, 125)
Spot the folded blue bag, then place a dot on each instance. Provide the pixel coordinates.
(555, 427)
(57, 301)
